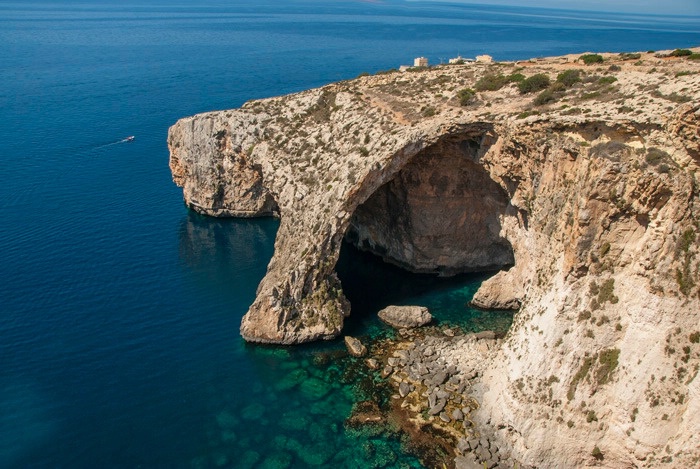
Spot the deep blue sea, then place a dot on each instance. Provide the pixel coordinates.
(119, 309)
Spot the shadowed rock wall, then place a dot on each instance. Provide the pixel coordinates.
(440, 214)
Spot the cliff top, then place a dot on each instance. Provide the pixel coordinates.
(640, 87)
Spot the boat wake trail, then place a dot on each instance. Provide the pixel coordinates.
(115, 142)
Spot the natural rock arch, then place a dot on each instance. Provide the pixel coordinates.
(301, 298)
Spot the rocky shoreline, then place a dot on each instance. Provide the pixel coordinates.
(434, 374)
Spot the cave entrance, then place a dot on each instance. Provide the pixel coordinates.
(439, 216)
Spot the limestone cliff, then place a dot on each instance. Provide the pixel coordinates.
(585, 191)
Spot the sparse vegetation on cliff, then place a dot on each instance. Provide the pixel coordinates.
(681, 53)
(684, 274)
(569, 78)
(494, 82)
(597, 453)
(590, 59)
(608, 362)
(534, 83)
(465, 96)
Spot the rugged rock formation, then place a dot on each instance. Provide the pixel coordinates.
(588, 192)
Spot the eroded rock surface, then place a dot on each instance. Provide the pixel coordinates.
(592, 197)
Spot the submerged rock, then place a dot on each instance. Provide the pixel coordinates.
(372, 364)
(280, 460)
(405, 317)
(253, 411)
(314, 388)
(365, 412)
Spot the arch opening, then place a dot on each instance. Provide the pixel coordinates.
(440, 214)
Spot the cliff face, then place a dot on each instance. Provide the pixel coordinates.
(590, 201)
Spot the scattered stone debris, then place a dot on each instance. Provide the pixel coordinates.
(433, 373)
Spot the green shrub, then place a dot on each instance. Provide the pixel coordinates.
(686, 240)
(656, 156)
(694, 337)
(630, 56)
(557, 87)
(681, 53)
(693, 56)
(429, 111)
(685, 279)
(611, 150)
(607, 80)
(534, 83)
(591, 416)
(494, 82)
(525, 114)
(590, 59)
(515, 77)
(545, 97)
(569, 77)
(673, 97)
(465, 96)
(580, 375)
(597, 453)
(606, 292)
(614, 68)
(572, 112)
(491, 82)
(608, 362)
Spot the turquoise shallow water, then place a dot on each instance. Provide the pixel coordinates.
(119, 309)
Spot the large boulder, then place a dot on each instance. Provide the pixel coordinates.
(405, 317)
(355, 347)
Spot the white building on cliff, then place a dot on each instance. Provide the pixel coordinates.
(420, 62)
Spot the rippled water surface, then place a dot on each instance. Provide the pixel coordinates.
(119, 309)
